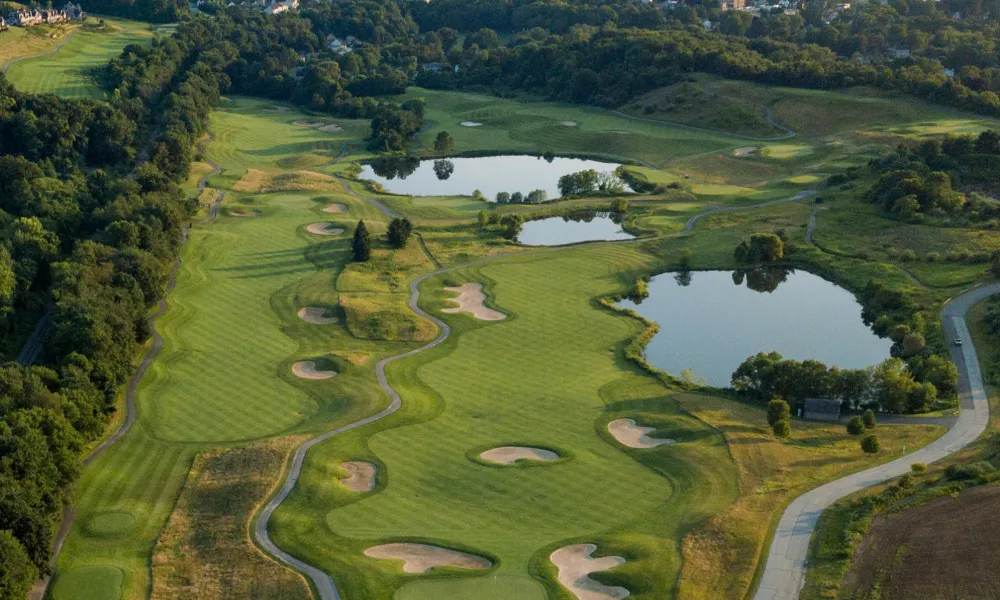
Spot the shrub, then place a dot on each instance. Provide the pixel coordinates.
(870, 444)
(868, 418)
(782, 429)
(778, 410)
(918, 468)
(855, 426)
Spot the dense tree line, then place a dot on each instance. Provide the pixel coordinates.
(519, 15)
(894, 385)
(929, 179)
(156, 11)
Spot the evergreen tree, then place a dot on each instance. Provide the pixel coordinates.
(399, 232)
(361, 245)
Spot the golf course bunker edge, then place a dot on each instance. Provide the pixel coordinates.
(306, 369)
(631, 434)
(420, 558)
(360, 475)
(316, 315)
(336, 207)
(507, 455)
(575, 564)
(470, 299)
(324, 228)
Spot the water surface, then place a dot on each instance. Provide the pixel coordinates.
(558, 231)
(488, 174)
(710, 323)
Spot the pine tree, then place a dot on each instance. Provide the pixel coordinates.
(399, 232)
(361, 245)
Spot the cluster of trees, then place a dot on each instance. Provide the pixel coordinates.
(532, 197)
(894, 385)
(520, 15)
(399, 232)
(925, 180)
(393, 127)
(761, 248)
(155, 11)
(590, 181)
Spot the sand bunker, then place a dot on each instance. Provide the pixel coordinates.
(568, 123)
(471, 124)
(506, 455)
(325, 229)
(628, 433)
(244, 213)
(331, 128)
(745, 151)
(470, 299)
(336, 207)
(308, 124)
(317, 315)
(575, 564)
(420, 558)
(306, 369)
(361, 475)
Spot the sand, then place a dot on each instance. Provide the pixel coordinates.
(628, 433)
(506, 455)
(470, 299)
(317, 315)
(745, 151)
(331, 128)
(306, 369)
(575, 564)
(361, 475)
(568, 123)
(308, 124)
(471, 124)
(420, 558)
(244, 213)
(336, 207)
(325, 229)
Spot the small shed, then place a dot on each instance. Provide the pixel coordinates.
(822, 409)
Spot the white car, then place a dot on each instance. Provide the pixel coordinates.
(958, 341)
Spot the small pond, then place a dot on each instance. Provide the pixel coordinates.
(488, 174)
(584, 227)
(710, 321)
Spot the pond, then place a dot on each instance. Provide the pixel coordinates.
(585, 227)
(711, 321)
(488, 174)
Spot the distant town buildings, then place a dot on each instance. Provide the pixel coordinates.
(28, 17)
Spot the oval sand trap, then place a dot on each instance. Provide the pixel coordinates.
(336, 207)
(745, 151)
(317, 315)
(630, 434)
(306, 369)
(471, 124)
(575, 564)
(360, 475)
(331, 128)
(325, 229)
(506, 455)
(420, 558)
(244, 213)
(568, 123)
(470, 299)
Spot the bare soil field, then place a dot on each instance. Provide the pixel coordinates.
(946, 549)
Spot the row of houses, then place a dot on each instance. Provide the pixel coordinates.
(270, 7)
(27, 17)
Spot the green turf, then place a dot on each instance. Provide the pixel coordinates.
(68, 72)
(91, 582)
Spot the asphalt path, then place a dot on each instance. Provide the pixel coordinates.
(785, 570)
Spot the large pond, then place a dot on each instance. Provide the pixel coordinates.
(488, 174)
(586, 227)
(710, 321)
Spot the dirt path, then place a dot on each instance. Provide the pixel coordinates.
(32, 349)
(785, 570)
(58, 47)
(40, 588)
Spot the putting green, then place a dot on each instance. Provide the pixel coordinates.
(494, 587)
(111, 524)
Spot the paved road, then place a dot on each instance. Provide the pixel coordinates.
(784, 573)
(7, 64)
(32, 350)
